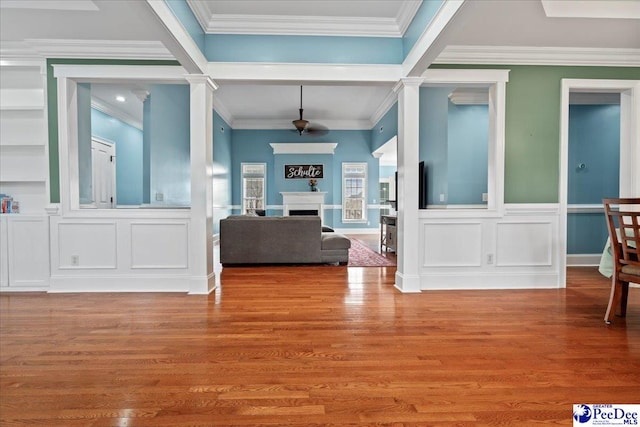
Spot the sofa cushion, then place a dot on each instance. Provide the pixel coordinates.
(335, 241)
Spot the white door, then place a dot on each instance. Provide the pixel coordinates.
(103, 163)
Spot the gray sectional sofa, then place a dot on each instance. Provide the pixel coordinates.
(280, 240)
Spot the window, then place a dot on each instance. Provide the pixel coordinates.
(354, 192)
(253, 187)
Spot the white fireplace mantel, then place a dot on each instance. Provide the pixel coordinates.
(303, 200)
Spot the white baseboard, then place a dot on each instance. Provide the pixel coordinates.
(497, 280)
(119, 283)
(583, 260)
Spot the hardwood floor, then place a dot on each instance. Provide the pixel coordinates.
(315, 346)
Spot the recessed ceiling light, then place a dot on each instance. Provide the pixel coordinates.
(120, 98)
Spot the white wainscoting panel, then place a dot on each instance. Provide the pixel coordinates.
(452, 245)
(159, 245)
(476, 249)
(4, 256)
(524, 244)
(94, 243)
(28, 251)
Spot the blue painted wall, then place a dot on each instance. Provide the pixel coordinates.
(185, 15)
(434, 110)
(389, 125)
(594, 140)
(423, 17)
(252, 146)
(303, 49)
(170, 146)
(85, 177)
(453, 145)
(146, 151)
(222, 178)
(128, 142)
(467, 158)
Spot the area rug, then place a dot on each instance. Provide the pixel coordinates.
(360, 255)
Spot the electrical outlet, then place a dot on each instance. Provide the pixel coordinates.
(442, 197)
(485, 197)
(75, 260)
(490, 259)
(159, 197)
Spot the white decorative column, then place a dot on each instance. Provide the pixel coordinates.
(408, 248)
(201, 145)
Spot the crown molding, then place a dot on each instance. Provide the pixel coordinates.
(223, 111)
(74, 5)
(108, 109)
(598, 9)
(99, 49)
(388, 102)
(530, 55)
(406, 14)
(202, 11)
(302, 25)
(273, 124)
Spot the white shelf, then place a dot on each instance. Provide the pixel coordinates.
(25, 127)
(23, 163)
(22, 99)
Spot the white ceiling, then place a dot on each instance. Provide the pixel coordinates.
(78, 28)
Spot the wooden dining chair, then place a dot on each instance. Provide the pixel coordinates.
(624, 233)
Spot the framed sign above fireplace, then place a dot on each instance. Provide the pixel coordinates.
(303, 171)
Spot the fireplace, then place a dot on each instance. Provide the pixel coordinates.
(303, 212)
(303, 203)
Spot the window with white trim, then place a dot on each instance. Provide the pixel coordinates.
(253, 187)
(354, 192)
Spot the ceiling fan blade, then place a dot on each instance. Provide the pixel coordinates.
(316, 130)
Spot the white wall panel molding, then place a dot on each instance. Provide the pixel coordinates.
(515, 251)
(457, 244)
(28, 251)
(524, 244)
(86, 245)
(159, 245)
(552, 209)
(533, 55)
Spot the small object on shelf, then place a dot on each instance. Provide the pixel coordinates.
(313, 183)
(7, 202)
(15, 207)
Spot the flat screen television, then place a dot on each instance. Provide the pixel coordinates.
(422, 187)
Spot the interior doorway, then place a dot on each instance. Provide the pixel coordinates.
(628, 92)
(103, 164)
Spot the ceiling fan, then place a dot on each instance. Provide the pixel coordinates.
(302, 125)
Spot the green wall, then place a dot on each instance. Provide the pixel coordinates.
(52, 111)
(532, 135)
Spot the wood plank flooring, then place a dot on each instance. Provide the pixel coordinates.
(315, 346)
